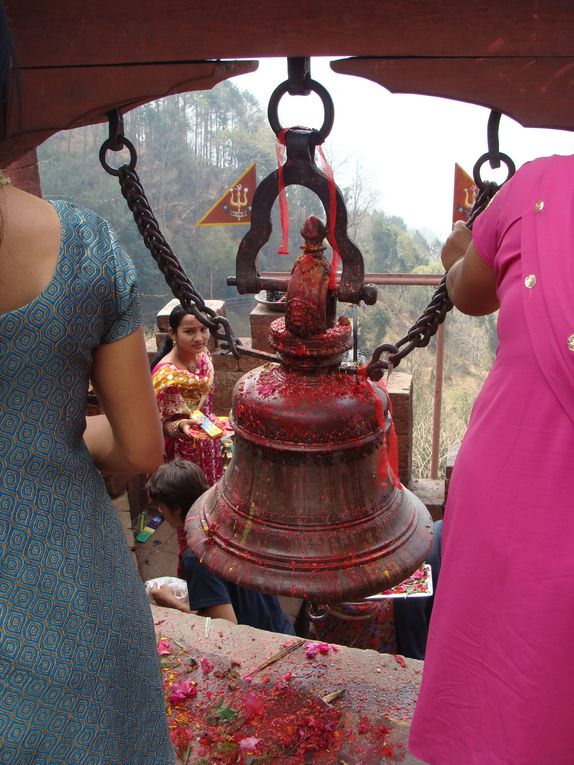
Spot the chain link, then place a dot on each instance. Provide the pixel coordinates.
(168, 263)
(420, 334)
(178, 281)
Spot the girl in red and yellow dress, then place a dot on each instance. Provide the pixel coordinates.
(183, 381)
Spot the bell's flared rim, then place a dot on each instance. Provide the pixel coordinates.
(341, 577)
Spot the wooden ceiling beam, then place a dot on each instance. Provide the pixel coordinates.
(80, 59)
(68, 32)
(68, 97)
(535, 91)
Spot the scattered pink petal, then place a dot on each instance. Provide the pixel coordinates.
(181, 691)
(206, 665)
(164, 648)
(400, 660)
(252, 706)
(249, 744)
(312, 649)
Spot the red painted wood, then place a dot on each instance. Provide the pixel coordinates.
(64, 32)
(535, 91)
(63, 98)
(77, 57)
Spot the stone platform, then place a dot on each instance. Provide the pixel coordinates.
(371, 696)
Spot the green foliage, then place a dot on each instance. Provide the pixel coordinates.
(225, 713)
(392, 248)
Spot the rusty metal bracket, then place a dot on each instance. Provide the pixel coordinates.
(300, 170)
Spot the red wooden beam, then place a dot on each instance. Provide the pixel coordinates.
(69, 97)
(535, 91)
(68, 32)
(80, 59)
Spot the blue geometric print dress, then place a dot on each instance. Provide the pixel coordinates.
(79, 674)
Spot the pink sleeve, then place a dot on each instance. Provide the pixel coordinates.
(487, 228)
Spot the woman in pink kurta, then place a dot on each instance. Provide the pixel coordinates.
(498, 683)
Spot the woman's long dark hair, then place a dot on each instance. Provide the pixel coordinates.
(9, 71)
(175, 318)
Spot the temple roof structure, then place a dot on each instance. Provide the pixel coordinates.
(80, 60)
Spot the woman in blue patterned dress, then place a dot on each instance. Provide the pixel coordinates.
(79, 673)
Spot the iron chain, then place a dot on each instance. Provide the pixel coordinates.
(168, 263)
(160, 249)
(419, 335)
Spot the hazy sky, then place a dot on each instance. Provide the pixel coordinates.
(405, 146)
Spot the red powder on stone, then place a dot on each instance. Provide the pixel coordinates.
(226, 721)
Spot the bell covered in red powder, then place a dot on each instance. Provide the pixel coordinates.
(308, 506)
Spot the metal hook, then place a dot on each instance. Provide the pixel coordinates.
(488, 157)
(116, 130)
(117, 142)
(493, 156)
(299, 76)
(492, 138)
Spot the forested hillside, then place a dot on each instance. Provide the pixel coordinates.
(191, 148)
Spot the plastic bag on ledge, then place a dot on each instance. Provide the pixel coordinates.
(177, 586)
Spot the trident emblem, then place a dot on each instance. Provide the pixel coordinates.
(238, 198)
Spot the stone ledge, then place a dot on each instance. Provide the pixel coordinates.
(378, 687)
(431, 494)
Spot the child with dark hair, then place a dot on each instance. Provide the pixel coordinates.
(175, 486)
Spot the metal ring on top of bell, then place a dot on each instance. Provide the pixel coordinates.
(308, 506)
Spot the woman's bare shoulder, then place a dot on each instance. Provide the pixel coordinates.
(29, 246)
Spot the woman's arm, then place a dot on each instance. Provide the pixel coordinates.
(164, 596)
(128, 437)
(471, 283)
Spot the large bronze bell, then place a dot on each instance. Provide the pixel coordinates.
(308, 506)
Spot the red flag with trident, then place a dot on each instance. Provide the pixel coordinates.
(234, 207)
(465, 191)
